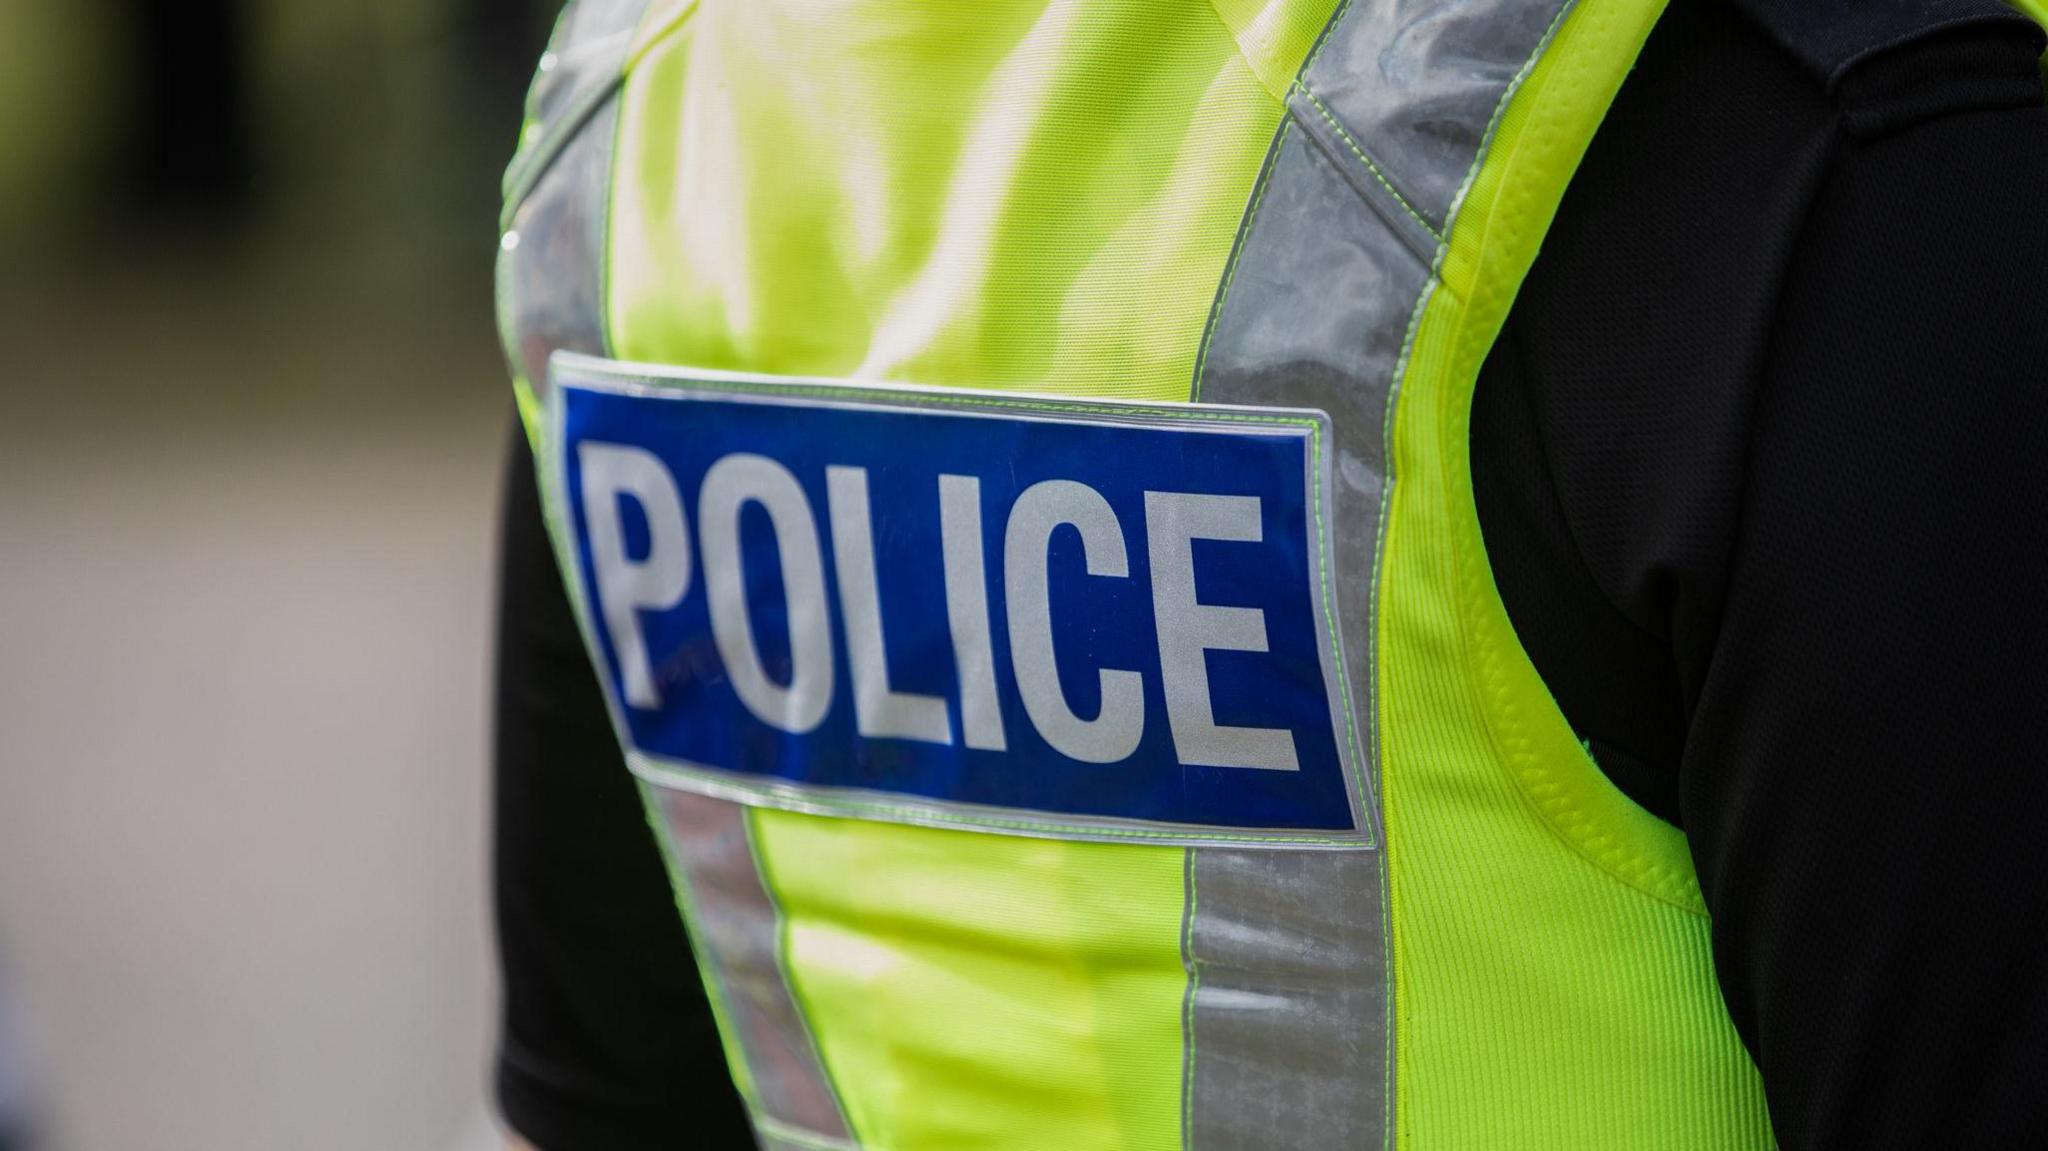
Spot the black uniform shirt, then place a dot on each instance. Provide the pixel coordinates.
(1762, 463)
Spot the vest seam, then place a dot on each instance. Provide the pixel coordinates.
(525, 172)
(1315, 52)
(1379, 177)
(646, 37)
(643, 41)
(1237, 246)
(1315, 49)
(1237, 45)
(604, 224)
(1571, 531)
(1266, 168)
(1299, 85)
(1566, 820)
(1580, 832)
(1389, 922)
(1500, 108)
(551, 146)
(802, 1010)
(1190, 905)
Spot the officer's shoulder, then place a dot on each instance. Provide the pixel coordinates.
(1832, 36)
(1885, 66)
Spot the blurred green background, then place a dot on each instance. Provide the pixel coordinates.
(251, 417)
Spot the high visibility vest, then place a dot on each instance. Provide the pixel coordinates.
(1010, 463)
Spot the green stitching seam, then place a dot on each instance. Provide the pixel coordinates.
(1564, 820)
(1244, 229)
(1500, 108)
(1315, 52)
(1379, 548)
(645, 38)
(645, 42)
(1378, 176)
(782, 968)
(1400, 374)
(550, 148)
(1337, 643)
(1390, 1013)
(1194, 966)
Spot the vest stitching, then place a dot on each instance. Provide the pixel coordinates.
(1244, 230)
(1500, 109)
(1191, 905)
(1378, 176)
(1571, 824)
(796, 1001)
(1316, 53)
(1565, 820)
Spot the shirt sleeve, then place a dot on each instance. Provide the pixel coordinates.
(1864, 778)
(608, 1040)
(1762, 462)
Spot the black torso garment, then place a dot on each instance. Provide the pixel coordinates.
(1761, 459)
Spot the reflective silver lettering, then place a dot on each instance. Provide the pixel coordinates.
(731, 484)
(981, 716)
(1188, 629)
(879, 711)
(626, 587)
(1114, 733)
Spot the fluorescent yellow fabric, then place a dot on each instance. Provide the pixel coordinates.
(1023, 195)
(1276, 36)
(1552, 969)
(1038, 196)
(985, 991)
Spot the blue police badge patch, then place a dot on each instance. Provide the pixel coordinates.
(1011, 613)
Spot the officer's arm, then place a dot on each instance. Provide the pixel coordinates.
(608, 1040)
(1866, 779)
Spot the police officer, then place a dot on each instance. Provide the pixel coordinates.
(1073, 579)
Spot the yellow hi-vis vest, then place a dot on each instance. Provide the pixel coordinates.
(1010, 463)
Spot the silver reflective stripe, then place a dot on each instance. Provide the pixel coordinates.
(737, 930)
(1414, 84)
(789, 1142)
(549, 283)
(1289, 1016)
(582, 67)
(551, 268)
(551, 258)
(1316, 317)
(1287, 1000)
